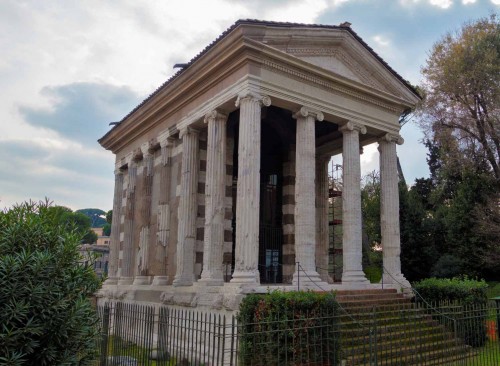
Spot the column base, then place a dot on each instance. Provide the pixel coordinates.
(160, 281)
(182, 281)
(398, 280)
(310, 280)
(111, 281)
(250, 277)
(211, 281)
(142, 280)
(354, 278)
(125, 280)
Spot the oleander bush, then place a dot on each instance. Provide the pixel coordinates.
(295, 328)
(46, 315)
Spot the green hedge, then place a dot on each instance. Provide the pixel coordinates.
(292, 328)
(464, 290)
(470, 296)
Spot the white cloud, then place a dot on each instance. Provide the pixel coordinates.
(381, 40)
(496, 2)
(445, 4)
(465, 2)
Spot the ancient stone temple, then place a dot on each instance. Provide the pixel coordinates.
(221, 184)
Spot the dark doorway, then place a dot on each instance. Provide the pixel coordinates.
(271, 213)
(274, 130)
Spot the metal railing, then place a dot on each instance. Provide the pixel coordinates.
(383, 334)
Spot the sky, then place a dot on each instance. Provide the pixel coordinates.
(68, 68)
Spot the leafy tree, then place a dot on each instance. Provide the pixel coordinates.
(97, 216)
(461, 105)
(370, 206)
(77, 220)
(107, 226)
(45, 311)
(109, 217)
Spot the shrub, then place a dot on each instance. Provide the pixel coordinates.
(470, 295)
(289, 328)
(464, 290)
(45, 311)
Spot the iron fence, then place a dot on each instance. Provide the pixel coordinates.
(399, 334)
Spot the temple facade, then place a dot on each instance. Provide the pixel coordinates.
(221, 175)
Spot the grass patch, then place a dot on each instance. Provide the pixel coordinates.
(488, 355)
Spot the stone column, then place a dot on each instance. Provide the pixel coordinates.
(184, 275)
(322, 198)
(142, 258)
(248, 193)
(389, 210)
(127, 268)
(114, 250)
(163, 231)
(351, 206)
(215, 191)
(305, 209)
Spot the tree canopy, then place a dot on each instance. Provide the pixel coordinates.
(461, 105)
(97, 216)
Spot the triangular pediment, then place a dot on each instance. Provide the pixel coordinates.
(339, 52)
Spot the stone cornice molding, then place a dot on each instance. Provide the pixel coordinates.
(352, 126)
(392, 137)
(329, 85)
(264, 100)
(308, 112)
(213, 115)
(188, 130)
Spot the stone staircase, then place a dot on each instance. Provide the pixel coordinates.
(383, 327)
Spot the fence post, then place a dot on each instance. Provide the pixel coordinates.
(105, 334)
(298, 276)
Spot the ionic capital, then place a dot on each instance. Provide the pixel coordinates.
(305, 112)
(392, 137)
(188, 131)
(118, 168)
(165, 139)
(146, 149)
(214, 115)
(353, 126)
(264, 100)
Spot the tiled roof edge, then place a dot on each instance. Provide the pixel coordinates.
(271, 24)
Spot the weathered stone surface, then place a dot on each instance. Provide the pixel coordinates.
(389, 210)
(351, 205)
(248, 194)
(186, 236)
(215, 187)
(305, 211)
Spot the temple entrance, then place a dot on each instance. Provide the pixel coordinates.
(271, 213)
(277, 133)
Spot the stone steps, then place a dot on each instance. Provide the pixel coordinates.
(385, 325)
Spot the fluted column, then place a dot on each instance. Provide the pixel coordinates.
(389, 210)
(142, 258)
(351, 205)
(163, 230)
(248, 192)
(305, 209)
(322, 198)
(184, 275)
(114, 250)
(215, 192)
(128, 254)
